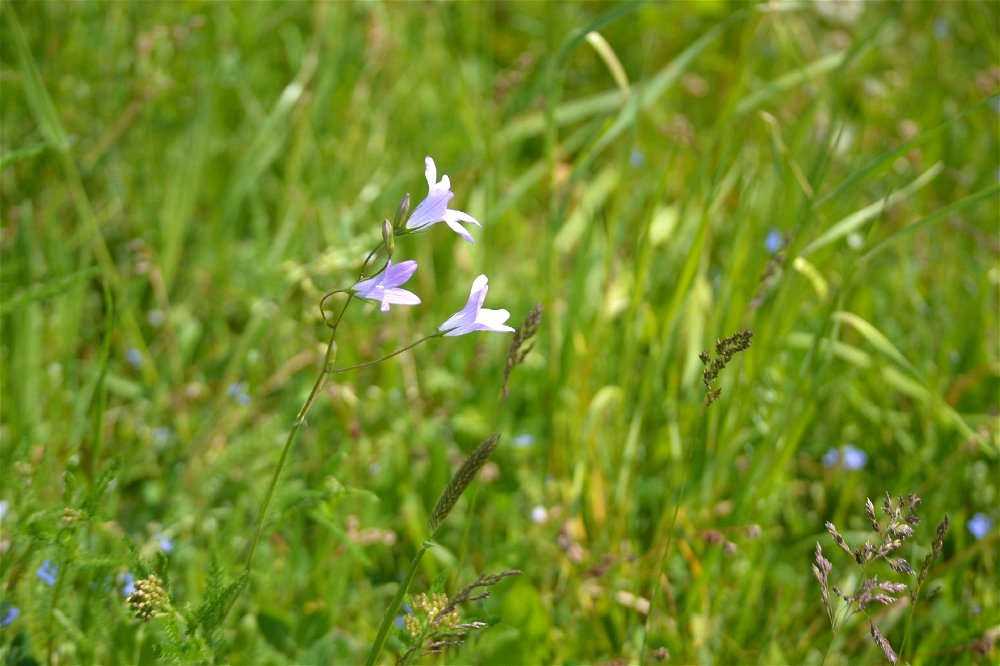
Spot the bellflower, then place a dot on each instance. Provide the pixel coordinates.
(473, 317)
(385, 286)
(434, 207)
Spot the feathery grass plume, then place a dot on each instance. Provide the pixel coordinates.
(883, 644)
(822, 570)
(899, 518)
(725, 349)
(461, 480)
(516, 355)
(435, 623)
(934, 553)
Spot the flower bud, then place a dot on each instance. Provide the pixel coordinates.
(387, 236)
(401, 212)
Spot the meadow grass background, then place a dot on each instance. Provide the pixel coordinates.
(181, 183)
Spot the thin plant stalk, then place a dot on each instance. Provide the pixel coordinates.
(388, 356)
(394, 605)
(669, 537)
(300, 418)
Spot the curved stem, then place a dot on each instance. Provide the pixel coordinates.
(388, 356)
(347, 291)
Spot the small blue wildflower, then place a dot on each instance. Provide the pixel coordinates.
(9, 614)
(166, 544)
(4, 505)
(524, 441)
(980, 525)
(128, 586)
(238, 391)
(48, 572)
(134, 357)
(636, 159)
(941, 28)
(774, 241)
(854, 458)
(162, 434)
(831, 458)
(407, 610)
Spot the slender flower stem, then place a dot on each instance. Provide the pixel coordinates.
(388, 356)
(397, 601)
(300, 419)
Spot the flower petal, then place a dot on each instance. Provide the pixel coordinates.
(459, 216)
(493, 320)
(430, 171)
(467, 315)
(397, 275)
(397, 296)
(431, 210)
(459, 229)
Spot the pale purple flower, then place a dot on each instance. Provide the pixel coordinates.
(854, 458)
(165, 543)
(774, 241)
(238, 392)
(9, 614)
(980, 525)
(473, 317)
(134, 357)
(384, 287)
(636, 158)
(128, 586)
(941, 28)
(434, 207)
(849, 455)
(523, 441)
(48, 572)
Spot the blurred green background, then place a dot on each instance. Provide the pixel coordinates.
(182, 182)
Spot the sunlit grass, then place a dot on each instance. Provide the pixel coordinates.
(181, 184)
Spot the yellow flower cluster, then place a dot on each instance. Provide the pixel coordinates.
(425, 609)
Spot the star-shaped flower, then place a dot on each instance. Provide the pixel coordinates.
(384, 287)
(473, 317)
(434, 207)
